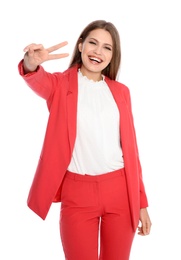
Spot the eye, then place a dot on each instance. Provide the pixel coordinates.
(108, 48)
(91, 42)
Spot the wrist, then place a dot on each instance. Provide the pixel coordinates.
(28, 69)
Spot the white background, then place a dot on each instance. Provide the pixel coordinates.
(151, 55)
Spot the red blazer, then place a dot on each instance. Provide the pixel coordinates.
(60, 90)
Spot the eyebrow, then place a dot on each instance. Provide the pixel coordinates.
(91, 38)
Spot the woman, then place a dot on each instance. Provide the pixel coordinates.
(89, 160)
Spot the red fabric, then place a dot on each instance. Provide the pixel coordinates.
(60, 91)
(90, 204)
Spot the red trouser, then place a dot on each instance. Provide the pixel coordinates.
(93, 203)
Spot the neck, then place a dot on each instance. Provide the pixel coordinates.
(95, 76)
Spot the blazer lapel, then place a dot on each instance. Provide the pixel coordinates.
(122, 100)
(129, 146)
(72, 96)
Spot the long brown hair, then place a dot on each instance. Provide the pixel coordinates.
(112, 69)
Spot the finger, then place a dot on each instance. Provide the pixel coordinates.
(140, 231)
(57, 46)
(146, 228)
(33, 47)
(58, 56)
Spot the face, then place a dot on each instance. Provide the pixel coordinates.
(96, 52)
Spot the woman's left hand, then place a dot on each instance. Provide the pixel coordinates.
(145, 227)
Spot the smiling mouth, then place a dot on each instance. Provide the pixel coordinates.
(95, 59)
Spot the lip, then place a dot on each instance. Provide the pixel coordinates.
(95, 59)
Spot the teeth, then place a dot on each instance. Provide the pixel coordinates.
(95, 59)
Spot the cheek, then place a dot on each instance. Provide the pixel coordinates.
(107, 54)
(109, 57)
(87, 49)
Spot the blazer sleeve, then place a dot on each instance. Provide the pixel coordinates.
(41, 82)
(143, 196)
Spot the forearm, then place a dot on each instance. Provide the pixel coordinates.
(40, 81)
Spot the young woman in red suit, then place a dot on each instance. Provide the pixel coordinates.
(89, 160)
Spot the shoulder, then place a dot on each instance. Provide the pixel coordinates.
(69, 72)
(122, 86)
(119, 86)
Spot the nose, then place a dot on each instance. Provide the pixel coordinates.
(98, 50)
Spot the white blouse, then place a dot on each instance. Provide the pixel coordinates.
(97, 147)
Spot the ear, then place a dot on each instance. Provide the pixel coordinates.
(80, 46)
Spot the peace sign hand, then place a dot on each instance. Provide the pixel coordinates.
(37, 54)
